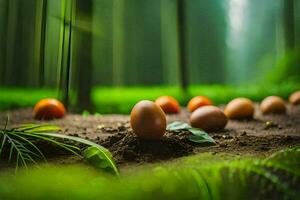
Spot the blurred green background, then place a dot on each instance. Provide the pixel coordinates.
(104, 55)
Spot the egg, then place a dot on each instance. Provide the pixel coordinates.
(239, 108)
(295, 98)
(208, 118)
(197, 102)
(148, 120)
(49, 109)
(273, 105)
(168, 104)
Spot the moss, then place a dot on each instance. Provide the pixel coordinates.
(204, 176)
(108, 100)
(12, 98)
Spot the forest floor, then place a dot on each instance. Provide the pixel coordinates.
(260, 136)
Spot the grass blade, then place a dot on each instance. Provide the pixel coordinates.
(33, 128)
(2, 144)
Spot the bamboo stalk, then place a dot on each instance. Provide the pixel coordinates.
(69, 55)
(289, 24)
(83, 60)
(61, 45)
(181, 24)
(66, 50)
(118, 41)
(4, 28)
(42, 43)
(13, 14)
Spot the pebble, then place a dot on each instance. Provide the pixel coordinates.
(242, 144)
(223, 145)
(244, 133)
(270, 124)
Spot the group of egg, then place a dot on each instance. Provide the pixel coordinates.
(148, 118)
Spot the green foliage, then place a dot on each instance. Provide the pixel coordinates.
(203, 176)
(121, 100)
(109, 100)
(100, 159)
(85, 113)
(197, 135)
(36, 128)
(22, 148)
(20, 144)
(287, 69)
(11, 98)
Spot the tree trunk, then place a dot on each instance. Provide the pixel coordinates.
(83, 55)
(42, 43)
(289, 24)
(66, 50)
(118, 41)
(181, 12)
(3, 39)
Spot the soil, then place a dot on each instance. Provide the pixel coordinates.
(260, 136)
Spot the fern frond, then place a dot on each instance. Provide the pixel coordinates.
(71, 148)
(39, 154)
(20, 145)
(19, 149)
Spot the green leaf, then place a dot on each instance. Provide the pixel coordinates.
(85, 113)
(71, 148)
(97, 114)
(176, 126)
(100, 159)
(198, 136)
(35, 128)
(80, 140)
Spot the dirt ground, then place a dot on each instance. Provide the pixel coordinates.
(260, 136)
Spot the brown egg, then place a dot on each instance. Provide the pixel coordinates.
(168, 104)
(148, 120)
(208, 118)
(49, 109)
(239, 108)
(295, 98)
(273, 105)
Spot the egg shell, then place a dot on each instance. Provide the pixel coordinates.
(209, 119)
(148, 120)
(198, 102)
(295, 98)
(239, 108)
(273, 105)
(168, 104)
(47, 109)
